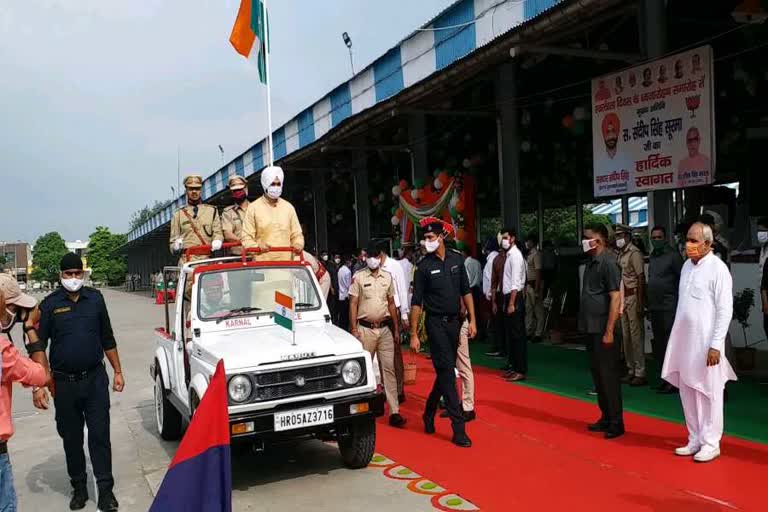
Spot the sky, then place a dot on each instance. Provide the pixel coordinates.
(97, 96)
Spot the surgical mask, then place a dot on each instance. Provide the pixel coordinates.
(762, 237)
(586, 245)
(692, 250)
(337, 261)
(506, 244)
(620, 243)
(274, 191)
(373, 263)
(7, 327)
(431, 245)
(324, 257)
(239, 195)
(72, 285)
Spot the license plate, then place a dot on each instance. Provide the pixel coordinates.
(303, 418)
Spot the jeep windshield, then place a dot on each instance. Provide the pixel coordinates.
(251, 291)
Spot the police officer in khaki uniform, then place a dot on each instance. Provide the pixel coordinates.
(233, 215)
(195, 224)
(632, 266)
(374, 321)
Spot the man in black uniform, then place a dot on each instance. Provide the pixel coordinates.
(440, 283)
(598, 314)
(76, 321)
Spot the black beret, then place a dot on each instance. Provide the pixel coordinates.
(71, 261)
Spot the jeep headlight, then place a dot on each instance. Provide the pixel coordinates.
(239, 388)
(351, 372)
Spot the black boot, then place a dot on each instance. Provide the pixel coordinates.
(107, 502)
(79, 498)
(461, 439)
(429, 423)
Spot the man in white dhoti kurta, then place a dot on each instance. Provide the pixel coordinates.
(695, 361)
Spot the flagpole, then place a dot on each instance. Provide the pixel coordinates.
(267, 45)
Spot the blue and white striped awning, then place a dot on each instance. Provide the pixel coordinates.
(453, 34)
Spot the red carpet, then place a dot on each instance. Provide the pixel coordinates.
(532, 452)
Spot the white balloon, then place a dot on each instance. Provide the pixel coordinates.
(395, 221)
(467, 163)
(438, 184)
(396, 190)
(525, 146)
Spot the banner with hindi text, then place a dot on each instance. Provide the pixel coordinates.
(653, 126)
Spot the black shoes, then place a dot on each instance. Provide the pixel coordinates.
(397, 421)
(79, 499)
(536, 340)
(599, 426)
(666, 389)
(429, 423)
(614, 431)
(462, 440)
(107, 502)
(609, 431)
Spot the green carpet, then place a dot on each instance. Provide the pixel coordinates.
(564, 371)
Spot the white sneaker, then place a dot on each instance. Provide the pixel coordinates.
(707, 454)
(687, 451)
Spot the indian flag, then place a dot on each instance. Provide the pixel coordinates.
(284, 310)
(249, 34)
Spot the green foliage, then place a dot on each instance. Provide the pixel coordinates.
(743, 302)
(48, 251)
(560, 224)
(3, 260)
(106, 263)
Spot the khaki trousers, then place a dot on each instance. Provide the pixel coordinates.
(534, 312)
(633, 333)
(381, 343)
(464, 367)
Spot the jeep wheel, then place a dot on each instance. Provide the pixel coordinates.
(358, 445)
(167, 418)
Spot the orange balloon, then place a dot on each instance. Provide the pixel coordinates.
(443, 177)
(399, 213)
(459, 206)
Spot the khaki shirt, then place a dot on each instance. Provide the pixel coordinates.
(275, 225)
(534, 264)
(632, 266)
(232, 221)
(373, 292)
(207, 223)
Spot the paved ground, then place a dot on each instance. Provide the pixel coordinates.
(308, 476)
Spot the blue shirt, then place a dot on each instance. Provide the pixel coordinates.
(79, 332)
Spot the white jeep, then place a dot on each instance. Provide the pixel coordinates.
(313, 381)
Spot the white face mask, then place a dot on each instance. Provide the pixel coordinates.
(620, 243)
(274, 191)
(337, 261)
(586, 245)
(762, 237)
(506, 244)
(325, 257)
(72, 285)
(431, 245)
(7, 327)
(373, 263)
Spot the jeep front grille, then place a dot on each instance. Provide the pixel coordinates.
(300, 381)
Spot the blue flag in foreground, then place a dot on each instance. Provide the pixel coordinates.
(200, 475)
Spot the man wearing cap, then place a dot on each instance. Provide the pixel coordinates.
(232, 217)
(374, 321)
(195, 224)
(632, 320)
(271, 221)
(75, 320)
(440, 284)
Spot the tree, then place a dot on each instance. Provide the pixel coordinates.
(3, 261)
(107, 265)
(560, 224)
(48, 251)
(139, 217)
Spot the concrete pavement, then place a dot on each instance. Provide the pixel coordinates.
(308, 476)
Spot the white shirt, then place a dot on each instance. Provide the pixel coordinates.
(401, 285)
(514, 271)
(407, 270)
(345, 281)
(488, 274)
(704, 312)
(474, 271)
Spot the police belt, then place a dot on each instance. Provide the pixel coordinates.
(3, 447)
(76, 376)
(387, 322)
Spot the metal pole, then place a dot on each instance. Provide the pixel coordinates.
(579, 214)
(269, 87)
(351, 61)
(540, 218)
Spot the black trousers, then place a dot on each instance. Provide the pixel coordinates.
(604, 362)
(443, 345)
(661, 324)
(79, 403)
(342, 314)
(499, 327)
(517, 340)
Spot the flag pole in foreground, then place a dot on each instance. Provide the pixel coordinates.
(199, 478)
(250, 38)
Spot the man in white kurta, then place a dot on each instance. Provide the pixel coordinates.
(695, 361)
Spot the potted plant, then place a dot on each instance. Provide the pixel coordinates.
(743, 302)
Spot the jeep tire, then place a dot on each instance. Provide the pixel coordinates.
(167, 418)
(358, 445)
